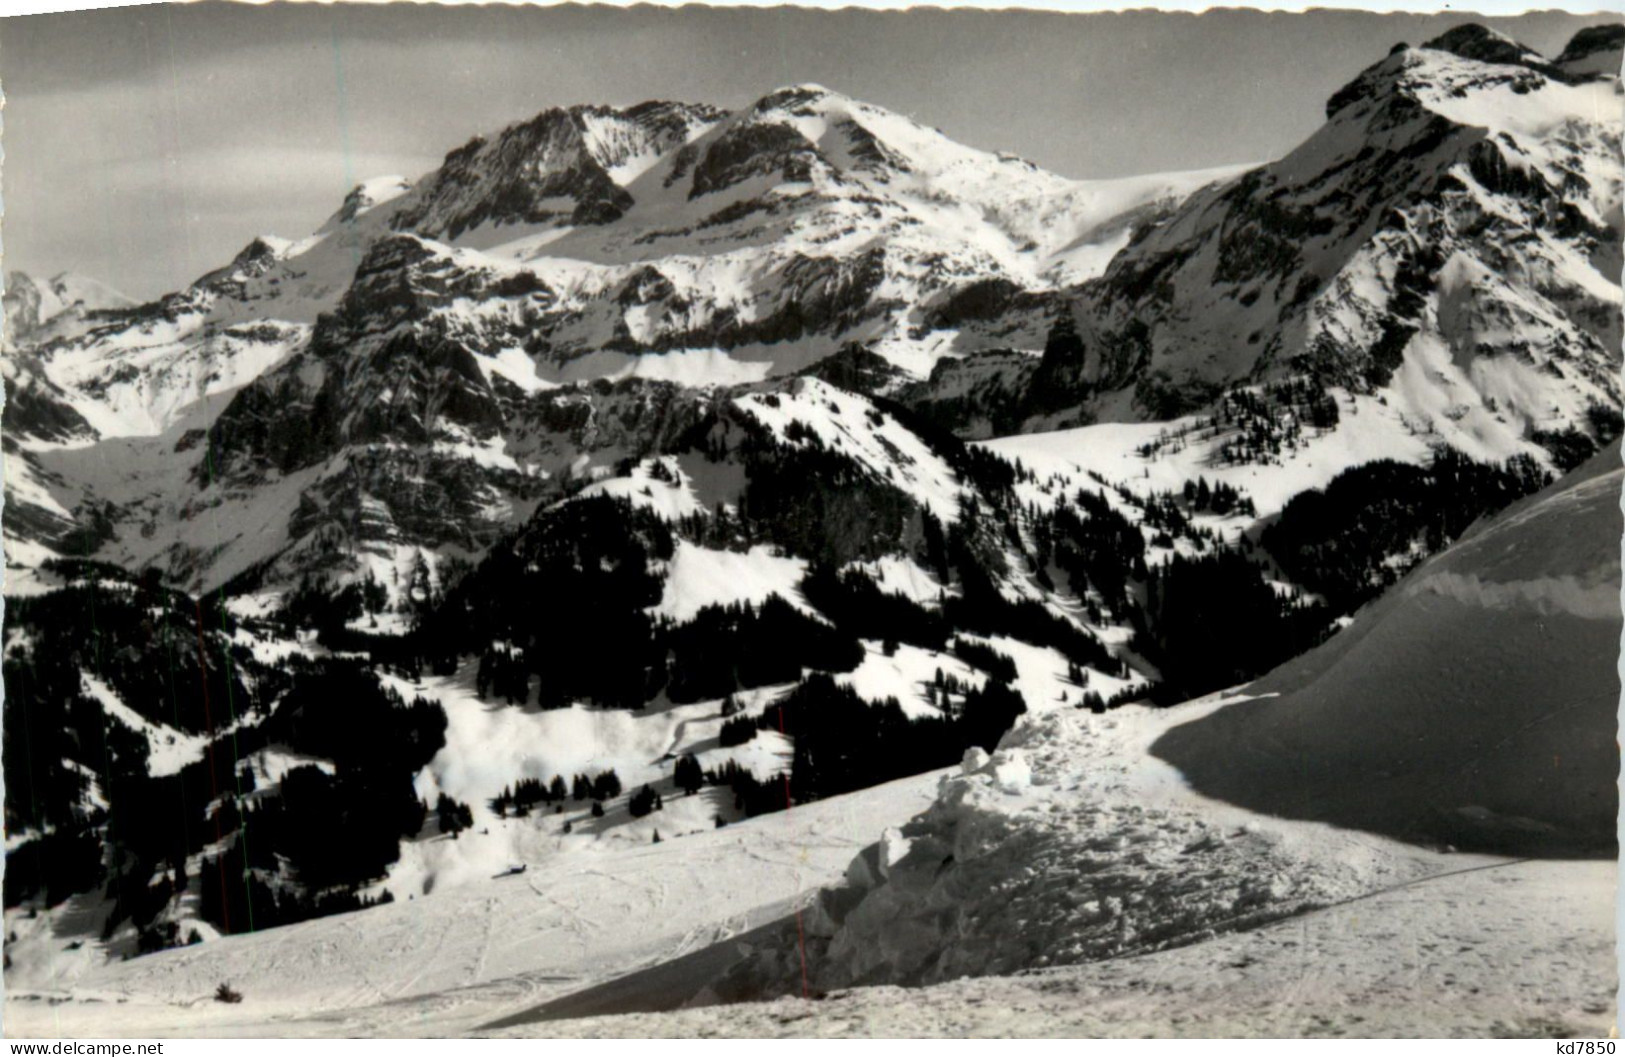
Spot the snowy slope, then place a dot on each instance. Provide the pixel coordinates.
(448, 962)
(1477, 699)
(1150, 457)
(451, 322)
(1402, 949)
(1448, 238)
(1073, 843)
(1413, 961)
(1458, 219)
(1073, 850)
(39, 310)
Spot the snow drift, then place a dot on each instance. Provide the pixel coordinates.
(1473, 705)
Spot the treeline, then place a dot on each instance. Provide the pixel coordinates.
(308, 845)
(844, 743)
(566, 601)
(527, 793)
(1356, 537)
(1259, 425)
(1571, 446)
(1212, 621)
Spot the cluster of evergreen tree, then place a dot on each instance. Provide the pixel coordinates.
(1219, 498)
(942, 691)
(1258, 424)
(687, 774)
(1572, 446)
(572, 583)
(303, 847)
(813, 501)
(334, 832)
(741, 646)
(855, 603)
(605, 785)
(1353, 539)
(503, 673)
(598, 558)
(53, 866)
(982, 609)
(1099, 703)
(844, 743)
(978, 655)
(168, 657)
(315, 603)
(1098, 549)
(644, 801)
(1212, 621)
(452, 816)
(1568, 447)
(236, 897)
(307, 846)
(339, 711)
(751, 795)
(1274, 418)
(736, 731)
(527, 793)
(163, 936)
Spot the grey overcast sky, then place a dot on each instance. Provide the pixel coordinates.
(146, 145)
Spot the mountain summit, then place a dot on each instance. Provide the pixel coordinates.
(1450, 236)
(706, 463)
(1447, 242)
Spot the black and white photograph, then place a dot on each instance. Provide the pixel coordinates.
(726, 522)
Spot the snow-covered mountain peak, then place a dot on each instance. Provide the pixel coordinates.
(1450, 233)
(563, 167)
(364, 198)
(32, 305)
(1469, 73)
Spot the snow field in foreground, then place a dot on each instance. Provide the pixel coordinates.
(452, 961)
(1517, 949)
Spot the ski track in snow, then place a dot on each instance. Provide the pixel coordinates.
(453, 963)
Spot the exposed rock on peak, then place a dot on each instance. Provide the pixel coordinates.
(1474, 41)
(565, 166)
(1594, 51)
(366, 196)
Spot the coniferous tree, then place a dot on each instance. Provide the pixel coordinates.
(687, 774)
(642, 802)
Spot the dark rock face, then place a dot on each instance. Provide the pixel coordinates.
(1473, 41)
(36, 409)
(814, 296)
(988, 394)
(560, 156)
(1594, 40)
(389, 405)
(749, 150)
(857, 370)
(517, 180)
